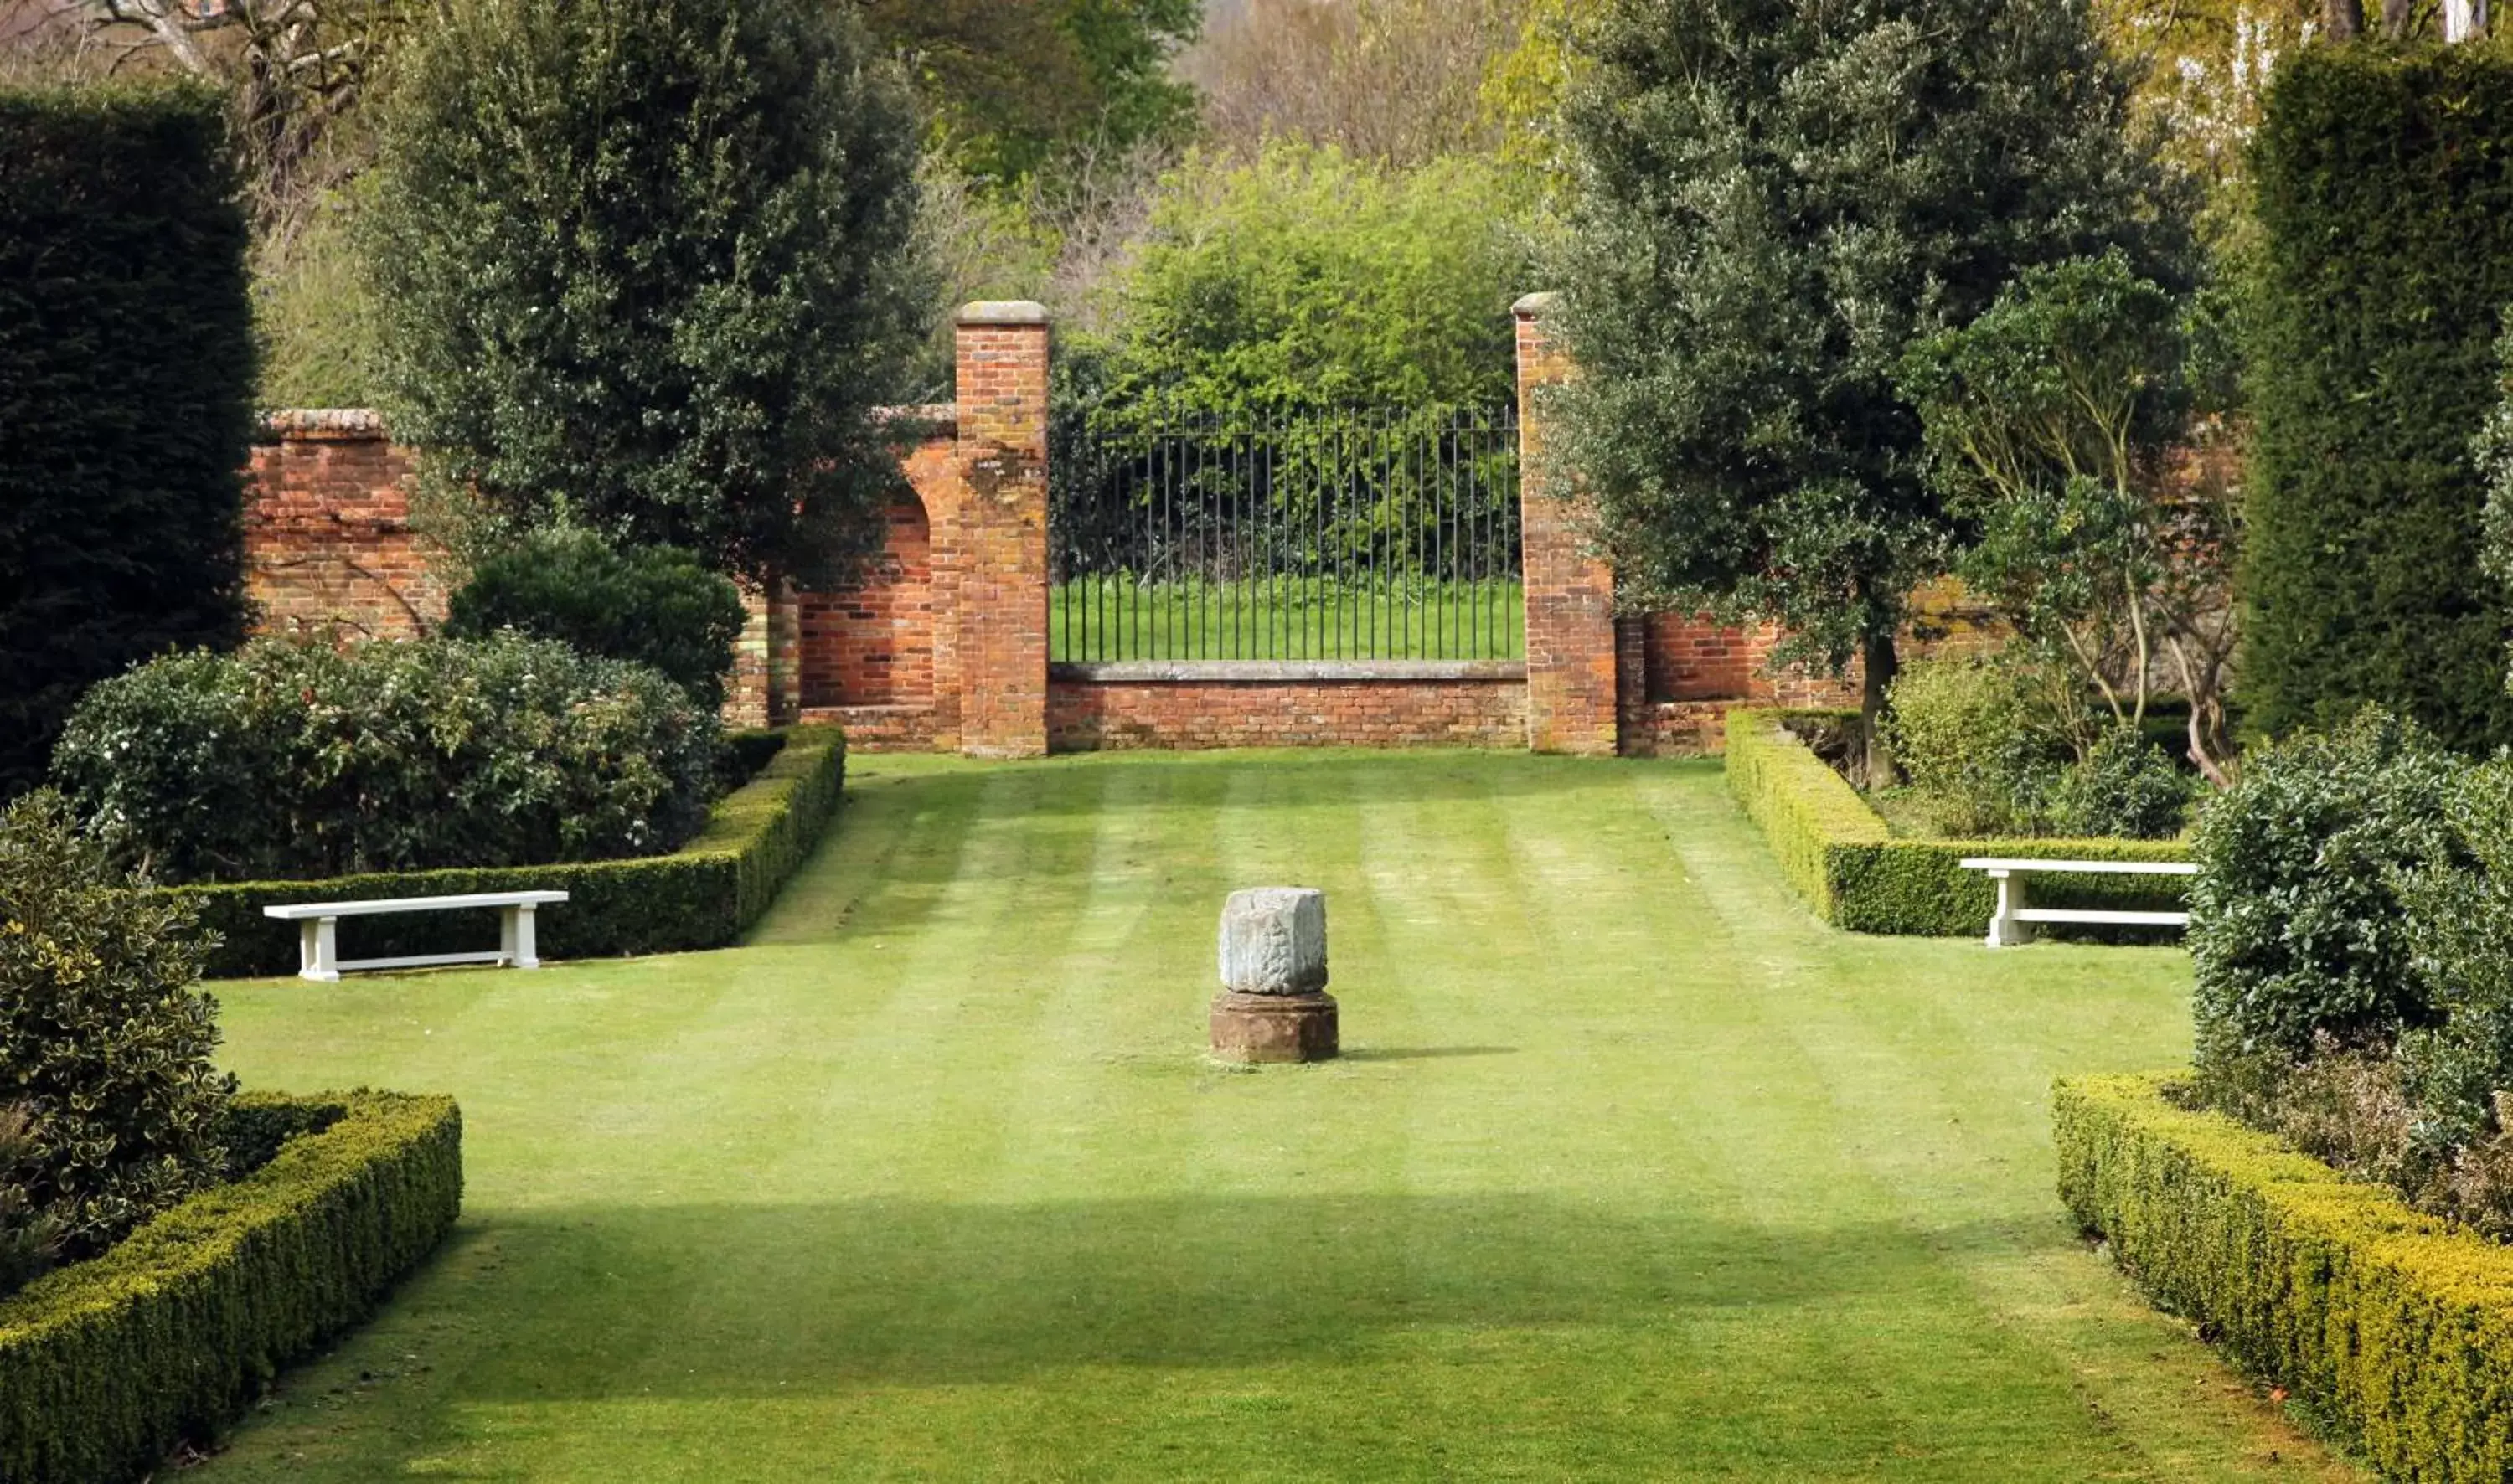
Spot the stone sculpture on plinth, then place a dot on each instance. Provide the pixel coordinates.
(1273, 1005)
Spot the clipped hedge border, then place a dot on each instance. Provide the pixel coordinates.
(107, 1364)
(1844, 861)
(703, 895)
(2391, 1324)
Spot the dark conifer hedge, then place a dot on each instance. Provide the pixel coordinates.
(2386, 186)
(126, 395)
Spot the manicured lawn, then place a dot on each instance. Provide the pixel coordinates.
(1635, 1171)
(1104, 619)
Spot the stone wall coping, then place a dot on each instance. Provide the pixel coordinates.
(1003, 312)
(359, 422)
(1537, 306)
(1286, 673)
(340, 422)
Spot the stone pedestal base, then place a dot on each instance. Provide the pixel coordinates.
(1274, 1028)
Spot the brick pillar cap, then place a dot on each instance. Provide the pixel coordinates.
(1537, 305)
(1004, 312)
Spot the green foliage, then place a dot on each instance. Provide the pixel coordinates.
(1302, 278)
(2396, 1327)
(30, 1232)
(125, 392)
(2126, 788)
(1781, 201)
(107, 1365)
(2046, 421)
(649, 605)
(2296, 924)
(1017, 89)
(2495, 461)
(649, 267)
(1847, 866)
(290, 758)
(313, 314)
(2385, 195)
(2460, 938)
(104, 1040)
(702, 896)
(1975, 740)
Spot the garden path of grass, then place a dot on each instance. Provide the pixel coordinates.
(1634, 1170)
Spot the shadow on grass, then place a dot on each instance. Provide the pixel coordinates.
(1421, 1053)
(732, 1300)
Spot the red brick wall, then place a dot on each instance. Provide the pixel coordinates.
(1103, 716)
(1571, 670)
(996, 549)
(329, 547)
(872, 644)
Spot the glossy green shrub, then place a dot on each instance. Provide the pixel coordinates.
(107, 1364)
(105, 1038)
(2296, 924)
(2395, 1326)
(1968, 735)
(700, 896)
(649, 605)
(297, 760)
(1842, 859)
(2127, 788)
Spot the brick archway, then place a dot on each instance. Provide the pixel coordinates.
(872, 644)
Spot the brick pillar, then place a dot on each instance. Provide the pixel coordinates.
(1571, 659)
(748, 692)
(998, 548)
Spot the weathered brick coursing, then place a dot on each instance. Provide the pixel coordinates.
(1097, 715)
(1571, 653)
(997, 546)
(329, 548)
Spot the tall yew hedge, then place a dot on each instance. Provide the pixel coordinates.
(126, 395)
(2385, 189)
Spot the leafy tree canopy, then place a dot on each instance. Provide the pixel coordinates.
(650, 267)
(1011, 85)
(1306, 278)
(1780, 199)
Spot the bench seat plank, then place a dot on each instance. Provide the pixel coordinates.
(2086, 868)
(2095, 914)
(298, 912)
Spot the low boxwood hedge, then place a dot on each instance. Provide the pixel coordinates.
(107, 1364)
(1844, 861)
(2393, 1326)
(703, 895)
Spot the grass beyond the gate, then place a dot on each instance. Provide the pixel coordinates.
(1633, 1171)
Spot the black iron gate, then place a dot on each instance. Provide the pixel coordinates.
(1390, 534)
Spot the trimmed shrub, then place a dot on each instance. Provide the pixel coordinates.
(2460, 938)
(2126, 788)
(2396, 1327)
(703, 895)
(2296, 924)
(107, 1364)
(294, 760)
(2385, 194)
(1972, 736)
(105, 1043)
(649, 605)
(1842, 858)
(126, 393)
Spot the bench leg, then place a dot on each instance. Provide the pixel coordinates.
(2004, 930)
(318, 950)
(521, 951)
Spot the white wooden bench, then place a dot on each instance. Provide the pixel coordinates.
(318, 931)
(2012, 923)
